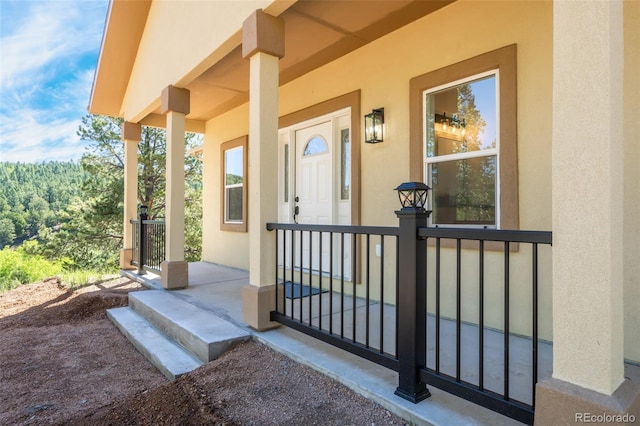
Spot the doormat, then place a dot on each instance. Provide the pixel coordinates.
(295, 289)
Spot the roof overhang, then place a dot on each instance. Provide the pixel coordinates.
(122, 33)
(316, 33)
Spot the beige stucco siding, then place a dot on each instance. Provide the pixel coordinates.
(227, 248)
(181, 40)
(631, 202)
(382, 71)
(375, 70)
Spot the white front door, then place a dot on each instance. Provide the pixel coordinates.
(313, 196)
(312, 190)
(314, 175)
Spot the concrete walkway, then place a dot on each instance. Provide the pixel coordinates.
(218, 289)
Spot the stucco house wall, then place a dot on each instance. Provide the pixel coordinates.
(631, 222)
(421, 47)
(181, 40)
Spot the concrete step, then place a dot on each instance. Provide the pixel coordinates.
(169, 357)
(201, 332)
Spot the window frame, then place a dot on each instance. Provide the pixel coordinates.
(504, 60)
(235, 226)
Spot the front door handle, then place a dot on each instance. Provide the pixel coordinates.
(296, 210)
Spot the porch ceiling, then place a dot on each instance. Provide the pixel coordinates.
(316, 33)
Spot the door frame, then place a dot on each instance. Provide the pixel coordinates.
(349, 100)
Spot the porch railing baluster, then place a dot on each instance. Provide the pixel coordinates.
(293, 263)
(437, 305)
(367, 290)
(310, 279)
(142, 244)
(353, 280)
(404, 353)
(506, 321)
(534, 325)
(382, 294)
(397, 293)
(330, 282)
(301, 274)
(342, 285)
(481, 315)
(320, 281)
(458, 306)
(276, 268)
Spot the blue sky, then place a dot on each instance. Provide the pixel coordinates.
(48, 54)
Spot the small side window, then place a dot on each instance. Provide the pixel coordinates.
(234, 185)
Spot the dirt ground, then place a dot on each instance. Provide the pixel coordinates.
(63, 362)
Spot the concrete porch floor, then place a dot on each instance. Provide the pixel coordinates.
(217, 289)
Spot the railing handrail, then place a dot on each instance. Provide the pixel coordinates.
(500, 235)
(148, 221)
(347, 229)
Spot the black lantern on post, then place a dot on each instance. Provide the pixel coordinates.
(143, 212)
(373, 125)
(413, 195)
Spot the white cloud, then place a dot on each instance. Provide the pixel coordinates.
(48, 32)
(48, 52)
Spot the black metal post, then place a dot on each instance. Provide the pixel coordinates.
(412, 323)
(142, 242)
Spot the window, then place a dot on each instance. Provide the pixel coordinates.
(315, 145)
(345, 164)
(286, 173)
(234, 185)
(461, 151)
(463, 144)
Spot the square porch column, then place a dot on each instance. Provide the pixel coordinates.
(131, 135)
(587, 149)
(175, 271)
(263, 44)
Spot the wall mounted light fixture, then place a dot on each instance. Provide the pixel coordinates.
(373, 126)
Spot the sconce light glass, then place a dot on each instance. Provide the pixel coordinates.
(143, 210)
(454, 127)
(373, 126)
(413, 195)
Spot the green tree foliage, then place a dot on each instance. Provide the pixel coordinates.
(475, 199)
(35, 195)
(91, 235)
(75, 209)
(7, 232)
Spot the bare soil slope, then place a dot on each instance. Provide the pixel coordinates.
(63, 362)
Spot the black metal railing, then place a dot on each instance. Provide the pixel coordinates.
(338, 284)
(379, 292)
(489, 381)
(148, 244)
